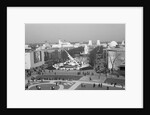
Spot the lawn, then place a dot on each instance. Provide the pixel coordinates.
(90, 87)
(45, 87)
(114, 80)
(59, 77)
(67, 85)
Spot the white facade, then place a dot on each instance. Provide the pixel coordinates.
(30, 60)
(62, 44)
(113, 44)
(104, 45)
(56, 46)
(27, 61)
(27, 47)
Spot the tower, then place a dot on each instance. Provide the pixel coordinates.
(123, 42)
(59, 42)
(86, 50)
(90, 43)
(98, 42)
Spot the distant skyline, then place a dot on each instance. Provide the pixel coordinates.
(39, 33)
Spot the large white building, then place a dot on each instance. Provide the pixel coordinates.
(34, 59)
(62, 44)
(115, 57)
(113, 44)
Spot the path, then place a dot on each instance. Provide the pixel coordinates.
(61, 87)
(75, 86)
(77, 83)
(94, 78)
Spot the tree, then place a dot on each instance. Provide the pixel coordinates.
(92, 55)
(113, 57)
(100, 63)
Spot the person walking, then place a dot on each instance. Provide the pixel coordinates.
(94, 85)
(114, 84)
(90, 78)
(26, 87)
(56, 83)
(101, 85)
(107, 88)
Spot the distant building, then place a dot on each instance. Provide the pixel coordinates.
(76, 45)
(48, 54)
(63, 44)
(123, 42)
(46, 45)
(90, 43)
(113, 44)
(104, 45)
(98, 43)
(86, 49)
(27, 47)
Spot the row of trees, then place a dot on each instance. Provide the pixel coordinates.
(99, 63)
(99, 60)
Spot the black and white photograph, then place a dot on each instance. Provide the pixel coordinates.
(74, 56)
(91, 57)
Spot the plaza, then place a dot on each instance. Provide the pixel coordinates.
(72, 80)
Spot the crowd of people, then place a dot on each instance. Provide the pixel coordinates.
(41, 70)
(100, 85)
(85, 73)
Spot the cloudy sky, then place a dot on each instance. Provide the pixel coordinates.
(38, 33)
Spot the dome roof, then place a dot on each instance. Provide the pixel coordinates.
(113, 44)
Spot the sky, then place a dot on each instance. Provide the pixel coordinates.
(39, 33)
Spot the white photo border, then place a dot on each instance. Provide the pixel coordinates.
(18, 97)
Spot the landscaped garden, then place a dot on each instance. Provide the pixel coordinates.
(66, 85)
(45, 87)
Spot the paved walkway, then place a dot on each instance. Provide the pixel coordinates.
(91, 82)
(38, 84)
(61, 87)
(75, 86)
(77, 83)
(94, 78)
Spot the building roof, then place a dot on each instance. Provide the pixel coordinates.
(115, 49)
(69, 66)
(113, 44)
